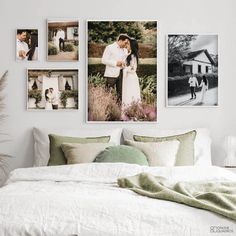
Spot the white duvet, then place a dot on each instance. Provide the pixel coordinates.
(85, 199)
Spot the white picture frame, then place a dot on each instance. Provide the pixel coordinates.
(27, 47)
(87, 75)
(212, 40)
(43, 82)
(70, 28)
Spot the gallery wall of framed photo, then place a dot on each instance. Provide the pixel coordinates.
(121, 80)
(194, 23)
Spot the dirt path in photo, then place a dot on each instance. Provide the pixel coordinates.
(211, 99)
(64, 56)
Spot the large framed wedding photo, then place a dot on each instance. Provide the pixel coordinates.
(52, 89)
(63, 40)
(121, 71)
(27, 45)
(192, 70)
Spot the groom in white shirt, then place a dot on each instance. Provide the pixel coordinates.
(21, 46)
(193, 83)
(61, 36)
(114, 57)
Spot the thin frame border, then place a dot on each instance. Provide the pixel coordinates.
(79, 37)
(86, 71)
(166, 71)
(59, 110)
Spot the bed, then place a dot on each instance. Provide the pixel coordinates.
(85, 199)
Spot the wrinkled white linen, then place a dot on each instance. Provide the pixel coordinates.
(85, 199)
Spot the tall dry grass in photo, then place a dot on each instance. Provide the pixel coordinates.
(140, 111)
(102, 104)
(4, 168)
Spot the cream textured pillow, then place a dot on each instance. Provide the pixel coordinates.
(202, 142)
(185, 155)
(82, 153)
(158, 154)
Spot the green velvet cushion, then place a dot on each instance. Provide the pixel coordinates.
(122, 153)
(185, 154)
(56, 154)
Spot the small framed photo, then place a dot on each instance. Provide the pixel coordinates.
(27, 45)
(63, 40)
(192, 70)
(122, 71)
(52, 89)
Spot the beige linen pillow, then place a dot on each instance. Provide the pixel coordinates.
(56, 154)
(158, 154)
(77, 153)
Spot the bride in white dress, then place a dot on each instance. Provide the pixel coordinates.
(48, 98)
(130, 86)
(55, 40)
(204, 85)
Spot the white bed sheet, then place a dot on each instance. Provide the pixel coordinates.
(84, 200)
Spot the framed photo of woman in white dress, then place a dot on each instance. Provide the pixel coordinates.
(122, 66)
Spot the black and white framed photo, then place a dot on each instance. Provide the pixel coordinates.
(27, 45)
(62, 40)
(192, 70)
(52, 89)
(122, 71)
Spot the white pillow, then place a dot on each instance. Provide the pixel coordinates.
(41, 140)
(158, 154)
(202, 144)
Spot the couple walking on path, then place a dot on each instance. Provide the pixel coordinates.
(193, 83)
(201, 97)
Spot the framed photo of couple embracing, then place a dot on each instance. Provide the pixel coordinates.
(52, 89)
(27, 48)
(121, 71)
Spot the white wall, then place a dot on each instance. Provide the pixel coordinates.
(173, 16)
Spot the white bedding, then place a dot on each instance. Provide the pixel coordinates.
(84, 199)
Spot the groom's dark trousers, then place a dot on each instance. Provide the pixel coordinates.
(61, 42)
(116, 82)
